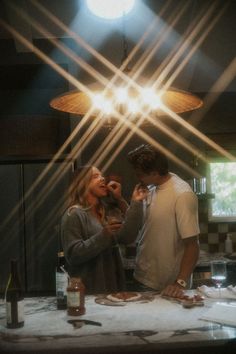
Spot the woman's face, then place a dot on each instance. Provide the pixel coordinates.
(97, 186)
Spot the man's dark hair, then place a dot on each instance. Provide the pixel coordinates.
(148, 159)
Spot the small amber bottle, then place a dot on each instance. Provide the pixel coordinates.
(75, 297)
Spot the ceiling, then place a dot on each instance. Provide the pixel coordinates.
(201, 63)
(191, 43)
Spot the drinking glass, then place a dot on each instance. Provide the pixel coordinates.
(114, 216)
(218, 273)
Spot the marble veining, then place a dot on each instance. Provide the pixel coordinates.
(137, 323)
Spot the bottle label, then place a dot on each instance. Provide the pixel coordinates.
(73, 299)
(19, 309)
(61, 284)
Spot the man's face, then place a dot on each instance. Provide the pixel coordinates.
(146, 178)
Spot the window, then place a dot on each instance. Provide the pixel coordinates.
(222, 182)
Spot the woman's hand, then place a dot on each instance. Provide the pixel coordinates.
(140, 192)
(111, 229)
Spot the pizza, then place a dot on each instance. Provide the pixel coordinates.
(187, 301)
(124, 296)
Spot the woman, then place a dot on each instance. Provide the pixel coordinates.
(89, 241)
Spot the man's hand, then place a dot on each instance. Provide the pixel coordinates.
(173, 290)
(115, 189)
(140, 192)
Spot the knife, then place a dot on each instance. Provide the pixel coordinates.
(80, 323)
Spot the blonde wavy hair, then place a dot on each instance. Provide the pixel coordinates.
(79, 185)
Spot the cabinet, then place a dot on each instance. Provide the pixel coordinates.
(32, 202)
(11, 211)
(206, 196)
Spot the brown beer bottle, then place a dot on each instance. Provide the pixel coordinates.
(14, 298)
(75, 297)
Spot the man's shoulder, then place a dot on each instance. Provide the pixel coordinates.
(181, 186)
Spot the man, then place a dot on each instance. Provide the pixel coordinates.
(168, 246)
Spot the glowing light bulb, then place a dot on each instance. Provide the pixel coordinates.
(151, 98)
(107, 108)
(121, 95)
(98, 101)
(102, 103)
(133, 106)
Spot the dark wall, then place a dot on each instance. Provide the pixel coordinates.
(28, 125)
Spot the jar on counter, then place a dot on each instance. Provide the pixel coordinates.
(75, 297)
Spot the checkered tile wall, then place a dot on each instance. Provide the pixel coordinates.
(213, 235)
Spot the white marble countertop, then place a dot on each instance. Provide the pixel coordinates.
(154, 323)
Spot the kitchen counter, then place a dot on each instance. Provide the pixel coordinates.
(152, 325)
(202, 271)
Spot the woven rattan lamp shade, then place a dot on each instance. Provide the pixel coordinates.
(79, 103)
(72, 102)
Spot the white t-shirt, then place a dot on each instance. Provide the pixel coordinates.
(172, 216)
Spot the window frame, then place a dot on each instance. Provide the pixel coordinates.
(211, 218)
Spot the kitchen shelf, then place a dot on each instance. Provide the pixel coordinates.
(206, 196)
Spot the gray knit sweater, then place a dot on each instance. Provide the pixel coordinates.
(94, 256)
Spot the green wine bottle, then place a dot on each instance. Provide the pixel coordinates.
(14, 298)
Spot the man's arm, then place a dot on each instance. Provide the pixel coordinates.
(188, 263)
(190, 257)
